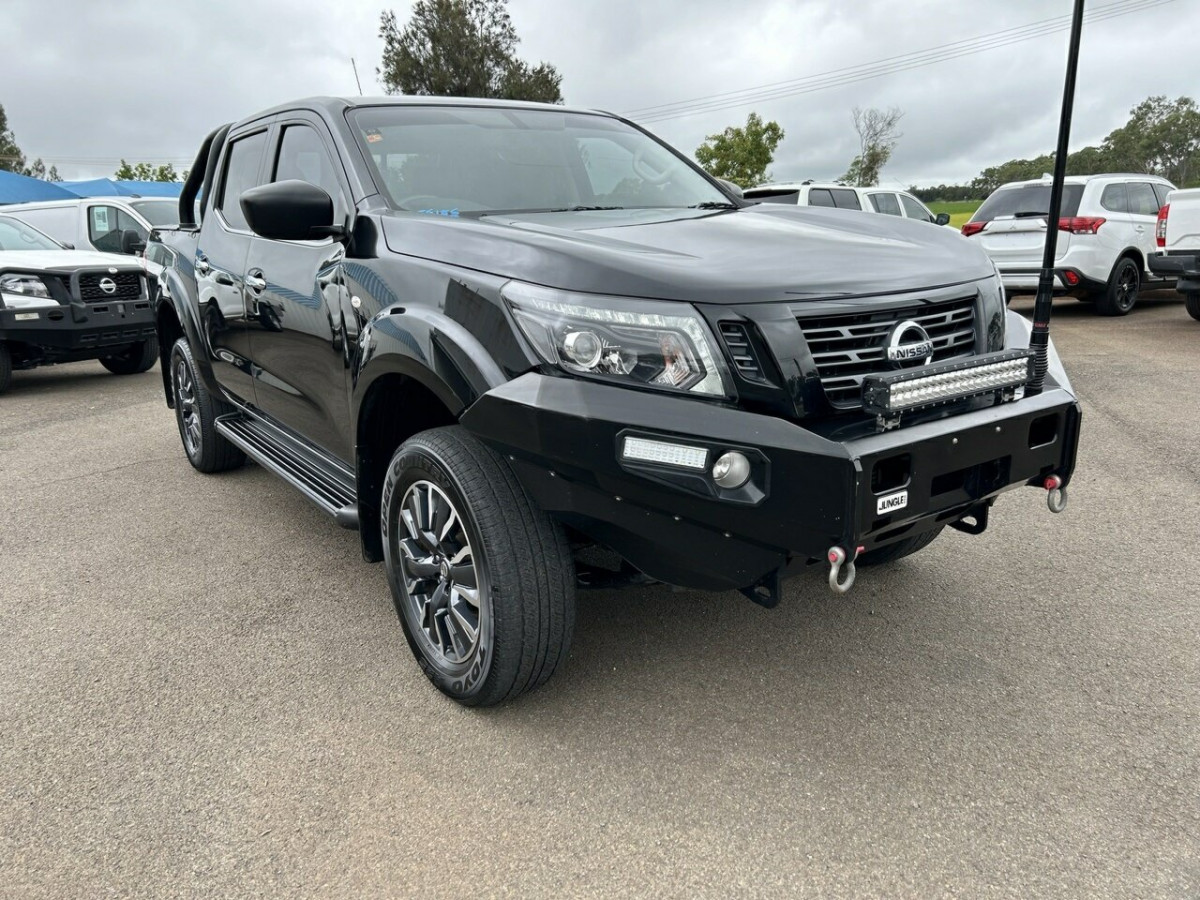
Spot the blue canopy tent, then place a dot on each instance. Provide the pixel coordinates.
(16, 188)
(107, 187)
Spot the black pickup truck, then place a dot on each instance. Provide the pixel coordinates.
(509, 341)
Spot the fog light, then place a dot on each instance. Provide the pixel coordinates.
(665, 453)
(731, 470)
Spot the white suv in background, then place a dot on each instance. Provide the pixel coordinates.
(843, 196)
(1105, 236)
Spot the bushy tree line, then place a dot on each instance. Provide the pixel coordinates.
(1161, 137)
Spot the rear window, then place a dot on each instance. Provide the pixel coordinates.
(773, 195)
(1027, 200)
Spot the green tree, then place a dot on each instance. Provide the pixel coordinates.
(461, 48)
(11, 157)
(1162, 137)
(877, 138)
(37, 169)
(741, 155)
(144, 171)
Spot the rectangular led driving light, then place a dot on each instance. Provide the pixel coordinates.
(885, 395)
(665, 453)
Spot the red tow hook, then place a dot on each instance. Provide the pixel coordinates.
(1056, 494)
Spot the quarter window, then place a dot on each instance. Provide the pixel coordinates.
(1114, 198)
(885, 203)
(241, 174)
(1160, 192)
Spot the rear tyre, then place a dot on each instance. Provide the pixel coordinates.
(898, 550)
(1191, 302)
(140, 357)
(5, 368)
(483, 580)
(1119, 297)
(196, 411)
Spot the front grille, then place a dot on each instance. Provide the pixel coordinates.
(128, 286)
(847, 346)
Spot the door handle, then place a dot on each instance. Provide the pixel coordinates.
(202, 265)
(255, 283)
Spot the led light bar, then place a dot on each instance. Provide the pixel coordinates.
(888, 395)
(665, 453)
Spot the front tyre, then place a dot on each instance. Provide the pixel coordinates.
(140, 357)
(5, 368)
(483, 581)
(196, 412)
(1121, 293)
(1191, 302)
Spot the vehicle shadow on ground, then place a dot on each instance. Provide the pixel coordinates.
(46, 379)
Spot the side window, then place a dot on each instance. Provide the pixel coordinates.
(1161, 191)
(241, 174)
(914, 210)
(885, 203)
(820, 197)
(302, 156)
(1142, 201)
(1114, 198)
(105, 224)
(845, 199)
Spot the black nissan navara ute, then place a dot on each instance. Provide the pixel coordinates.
(500, 339)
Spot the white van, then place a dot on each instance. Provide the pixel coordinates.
(99, 223)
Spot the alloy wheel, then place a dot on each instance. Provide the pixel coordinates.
(185, 403)
(440, 578)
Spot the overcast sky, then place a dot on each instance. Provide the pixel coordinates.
(87, 83)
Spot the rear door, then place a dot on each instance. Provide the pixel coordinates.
(885, 202)
(1143, 216)
(297, 302)
(220, 262)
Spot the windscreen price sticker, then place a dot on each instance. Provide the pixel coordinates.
(891, 503)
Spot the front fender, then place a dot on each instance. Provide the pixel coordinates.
(173, 295)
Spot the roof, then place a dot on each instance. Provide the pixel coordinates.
(1083, 179)
(339, 104)
(16, 188)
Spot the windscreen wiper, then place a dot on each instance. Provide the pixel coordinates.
(713, 204)
(1029, 213)
(589, 208)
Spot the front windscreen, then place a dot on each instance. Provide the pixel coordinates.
(462, 160)
(158, 212)
(16, 235)
(1027, 200)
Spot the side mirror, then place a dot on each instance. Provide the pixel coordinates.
(291, 210)
(131, 242)
(67, 245)
(942, 219)
(732, 188)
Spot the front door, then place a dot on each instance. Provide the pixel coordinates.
(220, 262)
(298, 306)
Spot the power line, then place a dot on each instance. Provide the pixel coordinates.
(888, 65)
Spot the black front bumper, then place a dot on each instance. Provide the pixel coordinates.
(815, 491)
(77, 330)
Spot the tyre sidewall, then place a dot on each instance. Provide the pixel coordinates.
(179, 354)
(466, 681)
(1114, 305)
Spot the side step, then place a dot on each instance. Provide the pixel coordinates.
(326, 482)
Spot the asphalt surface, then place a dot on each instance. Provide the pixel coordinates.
(205, 692)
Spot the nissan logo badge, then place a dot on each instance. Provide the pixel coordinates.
(909, 344)
(108, 285)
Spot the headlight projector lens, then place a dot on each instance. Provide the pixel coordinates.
(731, 470)
(584, 348)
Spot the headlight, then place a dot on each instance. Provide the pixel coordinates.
(26, 285)
(645, 342)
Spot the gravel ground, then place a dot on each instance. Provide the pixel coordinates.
(205, 692)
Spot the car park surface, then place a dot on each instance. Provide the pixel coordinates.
(1012, 715)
